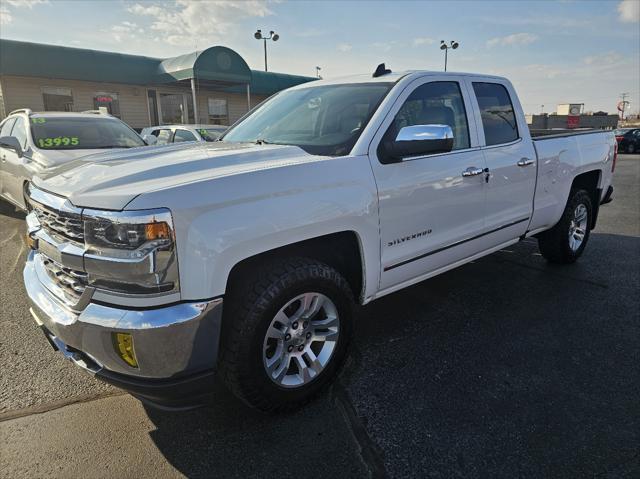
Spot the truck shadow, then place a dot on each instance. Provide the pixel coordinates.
(7, 209)
(505, 367)
(228, 439)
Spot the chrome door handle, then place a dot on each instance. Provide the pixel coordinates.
(525, 162)
(472, 171)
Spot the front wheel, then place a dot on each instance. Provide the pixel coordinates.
(566, 241)
(286, 333)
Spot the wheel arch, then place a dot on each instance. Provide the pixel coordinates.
(342, 251)
(590, 181)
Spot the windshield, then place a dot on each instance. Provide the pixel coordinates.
(210, 134)
(322, 120)
(82, 133)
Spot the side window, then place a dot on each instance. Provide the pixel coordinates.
(498, 118)
(6, 127)
(20, 131)
(184, 135)
(164, 136)
(435, 103)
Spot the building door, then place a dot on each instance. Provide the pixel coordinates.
(152, 101)
(176, 108)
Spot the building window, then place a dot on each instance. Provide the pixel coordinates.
(57, 99)
(107, 102)
(218, 111)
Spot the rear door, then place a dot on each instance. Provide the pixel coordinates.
(430, 214)
(510, 157)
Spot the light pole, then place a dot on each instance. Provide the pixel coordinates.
(272, 36)
(443, 46)
(318, 72)
(624, 103)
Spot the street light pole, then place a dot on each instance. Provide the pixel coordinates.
(443, 46)
(272, 36)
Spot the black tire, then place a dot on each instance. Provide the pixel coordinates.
(251, 304)
(554, 243)
(631, 148)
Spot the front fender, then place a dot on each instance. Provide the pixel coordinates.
(223, 221)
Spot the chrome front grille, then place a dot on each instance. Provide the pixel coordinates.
(72, 282)
(68, 225)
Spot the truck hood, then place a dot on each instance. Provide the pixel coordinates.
(112, 179)
(55, 158)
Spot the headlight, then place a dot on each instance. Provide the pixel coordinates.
(130, 251)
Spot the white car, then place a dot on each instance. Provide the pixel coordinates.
(154, 268)
(35, 143)
(165, 134)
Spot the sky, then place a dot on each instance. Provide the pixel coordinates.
(554, 51)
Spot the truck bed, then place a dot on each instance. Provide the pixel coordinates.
(539, 134)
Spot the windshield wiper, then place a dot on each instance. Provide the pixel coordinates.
(261, 141)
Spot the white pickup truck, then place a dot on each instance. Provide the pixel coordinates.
(327, 195)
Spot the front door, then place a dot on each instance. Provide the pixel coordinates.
(14, 165)
(429, 212)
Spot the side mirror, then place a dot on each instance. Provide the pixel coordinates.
(12, 143)
(150, 139)
(418, 140)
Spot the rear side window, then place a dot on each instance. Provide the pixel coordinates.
(498, 117)
(184, 135)
(164, 136)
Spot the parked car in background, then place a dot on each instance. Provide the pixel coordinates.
(249, 255)
(32, 144)
(165, 134)
(628, 140)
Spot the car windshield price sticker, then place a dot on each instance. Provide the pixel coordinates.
(58, 141)
(38, 120)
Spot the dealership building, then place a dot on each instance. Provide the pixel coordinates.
(212, 86)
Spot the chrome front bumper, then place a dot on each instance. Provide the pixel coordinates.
(169, 342)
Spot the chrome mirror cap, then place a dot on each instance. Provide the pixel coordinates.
(418, 140)
(425, 133)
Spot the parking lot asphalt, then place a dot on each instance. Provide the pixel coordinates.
(506, 367)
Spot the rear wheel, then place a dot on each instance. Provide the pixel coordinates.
(286, 333)
(566, 241)
(631, 148)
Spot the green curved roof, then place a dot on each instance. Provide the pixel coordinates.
(216, 64)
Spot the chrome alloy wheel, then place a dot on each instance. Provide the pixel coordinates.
(578, 227)
(300, 340)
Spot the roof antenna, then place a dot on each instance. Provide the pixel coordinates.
(381, 70)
